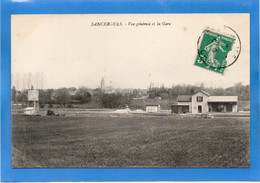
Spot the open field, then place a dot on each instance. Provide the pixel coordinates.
(129, 140)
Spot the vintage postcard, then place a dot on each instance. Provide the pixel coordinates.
(130, 90)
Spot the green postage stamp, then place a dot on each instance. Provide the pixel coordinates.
(213, 51)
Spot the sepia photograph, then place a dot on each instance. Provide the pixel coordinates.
(130, 91)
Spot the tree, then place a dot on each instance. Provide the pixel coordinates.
(62, 96)
(114, 100)
(219, 91)
(164, 95)
(13, 94)
(192, 91)
(45, 96)
(22, 97)
(202, 86)
(83, 95)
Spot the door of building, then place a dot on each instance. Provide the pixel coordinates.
(199, 109)
(229, 107)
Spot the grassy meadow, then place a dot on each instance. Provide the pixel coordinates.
(129, 140)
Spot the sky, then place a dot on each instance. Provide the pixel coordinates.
(69, 52)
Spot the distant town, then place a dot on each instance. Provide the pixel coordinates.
(105, 96)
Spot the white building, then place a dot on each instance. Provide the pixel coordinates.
(152, 108)
(202, 102)
(30, 111)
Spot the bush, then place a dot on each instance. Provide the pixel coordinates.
(69, 106)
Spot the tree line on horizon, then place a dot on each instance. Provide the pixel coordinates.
(69, 97)
(240, 90)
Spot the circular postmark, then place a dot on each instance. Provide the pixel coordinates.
(218, 48)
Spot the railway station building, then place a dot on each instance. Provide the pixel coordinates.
(202, 102)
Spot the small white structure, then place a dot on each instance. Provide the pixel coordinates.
(33, 99)
(123, 111)
(152, 108)
(30, 111)
(33, 95)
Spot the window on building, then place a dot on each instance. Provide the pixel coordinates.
(199, 99)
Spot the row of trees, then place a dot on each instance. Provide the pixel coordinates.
(72, 96)
(242, 91)
(61, 96)
(26, 80)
